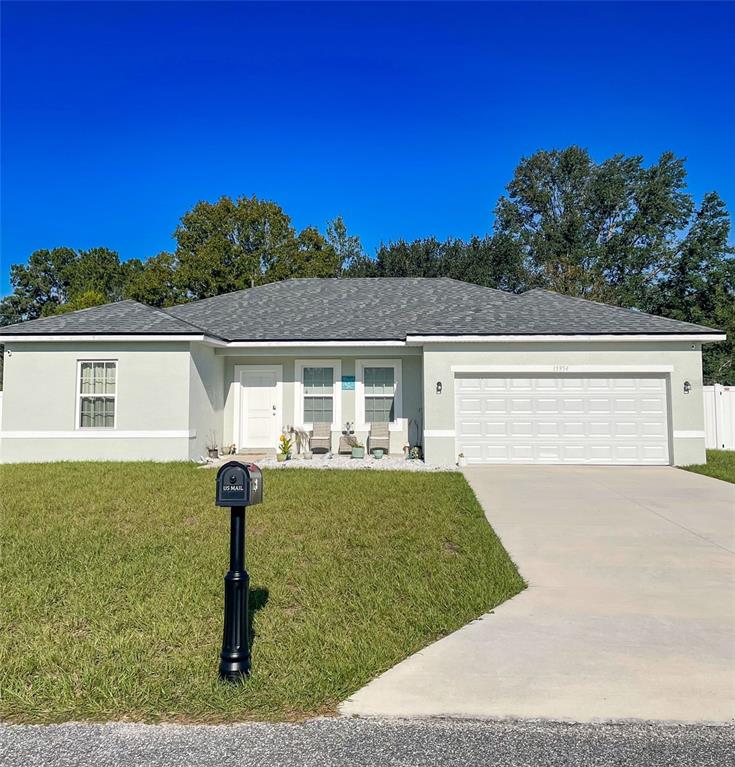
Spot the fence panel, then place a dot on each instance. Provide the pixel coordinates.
(719, 417)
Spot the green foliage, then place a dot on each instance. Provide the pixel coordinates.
(699, 285)
(720, 465)
(154, 282)
(233, 244)
(348, 247)
(54, 278)
(484, 261)
(112, 592)
(83, 300)
(603, 231)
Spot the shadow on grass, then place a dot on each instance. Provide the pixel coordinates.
(257, 600)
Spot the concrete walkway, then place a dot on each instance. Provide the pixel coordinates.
(629, 614)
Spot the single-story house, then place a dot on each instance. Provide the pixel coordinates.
(453, 367)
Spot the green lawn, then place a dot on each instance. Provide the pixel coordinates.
(720, 465)
(112, 587)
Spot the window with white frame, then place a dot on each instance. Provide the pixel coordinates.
(97, 392)
(380, 393)
(318, 383)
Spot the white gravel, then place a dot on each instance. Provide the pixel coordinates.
(386, 463)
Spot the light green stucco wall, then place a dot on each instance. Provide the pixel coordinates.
(153, 381)
(206, 399)
(686, 413)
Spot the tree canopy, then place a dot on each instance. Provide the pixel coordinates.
(617, 231)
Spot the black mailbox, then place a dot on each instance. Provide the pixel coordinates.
(237, 485)
(233, 485)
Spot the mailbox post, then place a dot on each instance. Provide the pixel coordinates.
(237, 486)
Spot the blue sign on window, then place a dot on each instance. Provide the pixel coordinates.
(348, 383)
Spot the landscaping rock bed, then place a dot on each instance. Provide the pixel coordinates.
(386, 463)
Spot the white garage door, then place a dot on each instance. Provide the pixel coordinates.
(602, 420)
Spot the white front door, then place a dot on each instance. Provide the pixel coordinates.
(261, 408)
(601, 419)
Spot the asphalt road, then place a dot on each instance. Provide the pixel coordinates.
(358, 742)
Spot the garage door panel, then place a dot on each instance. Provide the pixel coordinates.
(471, 428)
(469, 405)
(572, 428)
(548, 429)
(653, 429)
(602, 420)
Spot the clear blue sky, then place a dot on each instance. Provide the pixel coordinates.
(406, 119)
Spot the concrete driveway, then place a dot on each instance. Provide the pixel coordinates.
(629, 614)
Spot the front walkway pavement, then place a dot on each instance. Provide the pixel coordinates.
(629, 614)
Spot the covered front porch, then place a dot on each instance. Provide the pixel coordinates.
(266, 393)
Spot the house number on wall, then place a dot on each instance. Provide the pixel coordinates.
(561, 368)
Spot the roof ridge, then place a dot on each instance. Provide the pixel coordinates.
(627, 310)
(163, 310)
(473, 285)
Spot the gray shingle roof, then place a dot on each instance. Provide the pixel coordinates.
(363, 309)
(392, 308)
(122, 317)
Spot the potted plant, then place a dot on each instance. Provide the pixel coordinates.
(284, 448)
(378, 452)
(358, 449)
(415, 453)
(212, 448)
(461, 460)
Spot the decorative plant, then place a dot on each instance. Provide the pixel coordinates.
(353, 441)
(415, 453)
(284, 445)
(300, 437)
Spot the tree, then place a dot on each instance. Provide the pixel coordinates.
(233, 244)
(83, 300)
(53, 277)
(348, 247)
(603, 231)
(700, 285)
(154, 282)
(490, 261)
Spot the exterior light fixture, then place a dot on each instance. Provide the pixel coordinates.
(687, 387)
(438, 387)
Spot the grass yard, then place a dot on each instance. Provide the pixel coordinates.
(112, 579)
(720, 465)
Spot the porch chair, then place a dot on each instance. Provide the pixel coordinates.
(321, 437)
(379, 437)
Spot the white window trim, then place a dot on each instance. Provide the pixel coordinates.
(78, 409)
(298, 405)
(398, 424)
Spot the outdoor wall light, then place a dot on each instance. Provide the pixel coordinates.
(438, 387)
(687, 387)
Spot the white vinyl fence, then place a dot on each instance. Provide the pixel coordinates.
(719, 417)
